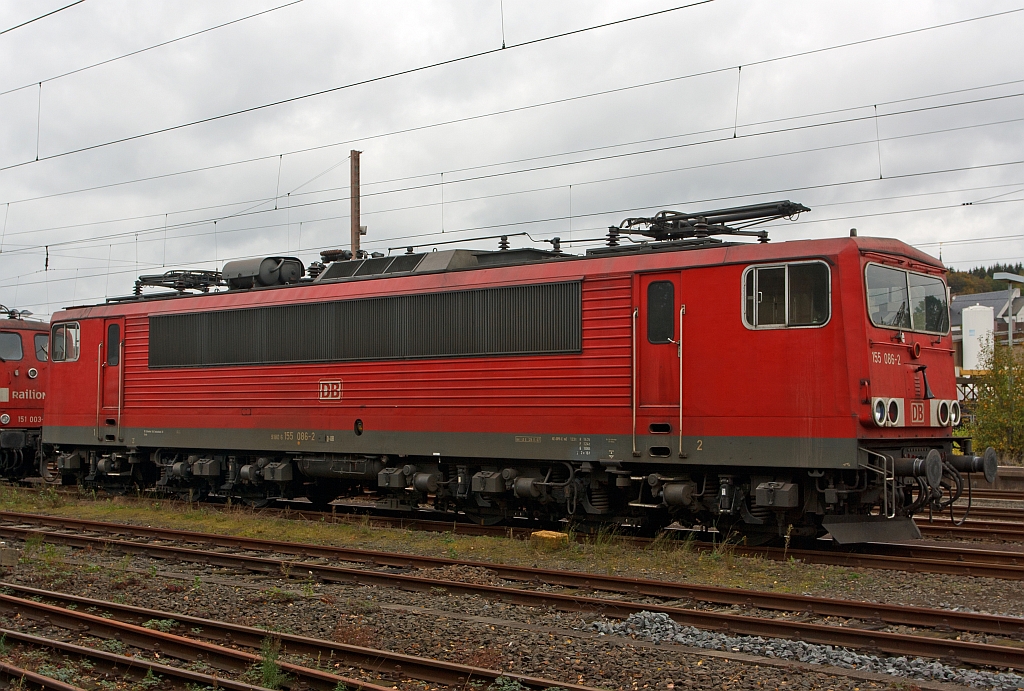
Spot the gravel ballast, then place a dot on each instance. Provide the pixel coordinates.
(659, 627)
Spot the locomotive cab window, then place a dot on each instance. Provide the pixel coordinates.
(42, 344)
(907, 301)
(790, 295)
(10, 346)
(113, 345)
(64, 342)
(661, 312)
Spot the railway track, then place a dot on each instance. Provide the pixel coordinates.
(124, 623)
(851, 636)
(916, 558)
(117, 664)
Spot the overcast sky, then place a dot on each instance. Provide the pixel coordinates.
(276, 179)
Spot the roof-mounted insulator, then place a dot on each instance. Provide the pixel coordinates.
(613, 236)
(503, 243)
(315, 269)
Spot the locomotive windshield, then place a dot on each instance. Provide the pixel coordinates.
(908, 301)
(10, 346)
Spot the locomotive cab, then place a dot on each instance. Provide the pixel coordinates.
(907, 397)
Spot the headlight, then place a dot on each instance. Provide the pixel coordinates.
(954, 413)
(943, 413)
(894, 412)
(33, 373)
(5, 418)
(878, 413)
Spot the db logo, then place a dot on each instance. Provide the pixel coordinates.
(916, 413)
(330, 389)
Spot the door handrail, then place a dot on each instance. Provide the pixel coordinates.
(679, 349)
(120, 384)
(99, 388)
(636, 312)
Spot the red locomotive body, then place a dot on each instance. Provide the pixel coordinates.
(23, 374)
(689, 379)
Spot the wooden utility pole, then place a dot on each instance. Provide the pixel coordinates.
(354, 199)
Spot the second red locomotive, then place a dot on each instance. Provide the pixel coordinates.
(23, 384)
(766, 388)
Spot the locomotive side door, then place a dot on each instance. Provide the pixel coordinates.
(658, 303)
(111, 356)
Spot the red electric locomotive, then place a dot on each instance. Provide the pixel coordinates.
(766, 388)
(23, 364)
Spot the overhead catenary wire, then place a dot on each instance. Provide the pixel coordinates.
(42, 16)
(293, 99)
(103, 239)
(255, 204)
(363, 82)
(505, 111)
(147, 48)
(542, 157)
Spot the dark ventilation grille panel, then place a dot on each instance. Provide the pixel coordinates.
(404, 262)
(342, 269)
(374, 266)
(515, 320)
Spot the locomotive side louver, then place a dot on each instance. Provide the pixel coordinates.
(512, 320)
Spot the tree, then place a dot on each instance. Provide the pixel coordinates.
(979, 279)
(999, 411)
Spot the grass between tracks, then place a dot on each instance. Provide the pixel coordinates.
(662, 558)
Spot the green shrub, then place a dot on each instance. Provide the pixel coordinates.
(999, 411)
